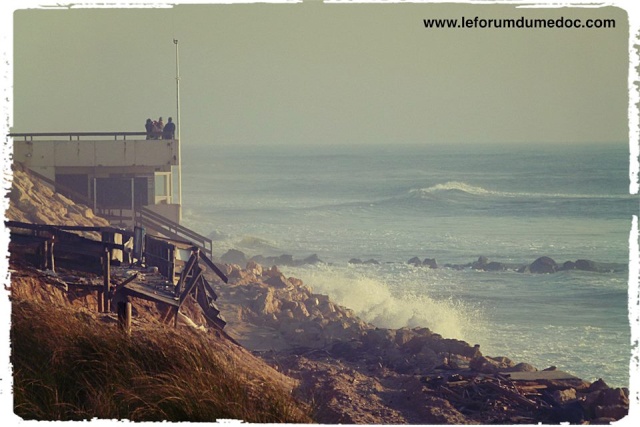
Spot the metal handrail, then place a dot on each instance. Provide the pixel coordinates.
(149, 218)
(28, 136)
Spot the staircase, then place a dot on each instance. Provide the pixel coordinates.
(157, 223)
(144, 217)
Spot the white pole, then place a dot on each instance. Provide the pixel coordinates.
(175, 41)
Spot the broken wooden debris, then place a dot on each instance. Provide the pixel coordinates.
(475, 393)
(39, 240)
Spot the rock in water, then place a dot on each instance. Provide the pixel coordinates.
(234, 256)
(430, 262)
(415, 261)
(543, 265)
(586, 265)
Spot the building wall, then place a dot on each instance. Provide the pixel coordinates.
(90, 165)
(161, 153)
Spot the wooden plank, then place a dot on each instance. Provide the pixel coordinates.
(32, 226)
(129, 280)
(140, 291)
(160, 253)
(65, 242)
(107, 280)
(86, 286)
(209, 311)
(124, 316)
(26, 239)
(539, 375)
(185, 273)
(209, 289)
(191, 284)
(49, 255)
(511, 394)
(211, 265)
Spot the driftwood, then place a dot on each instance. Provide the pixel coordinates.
(511, 394)
(476, 395)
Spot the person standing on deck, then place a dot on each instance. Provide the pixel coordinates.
(158, 126)
(169, 130)
(149, 128)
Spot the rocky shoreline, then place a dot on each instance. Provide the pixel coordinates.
(357, 373)
(349, 371)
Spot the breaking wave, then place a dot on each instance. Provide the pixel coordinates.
(377, 303)
(254, 243)
(457, 187)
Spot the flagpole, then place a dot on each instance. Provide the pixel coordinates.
(175, 41)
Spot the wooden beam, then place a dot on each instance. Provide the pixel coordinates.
(31, 226)
(124, 316)
(185, 272)
(191, 284)
(209, 289)
(49, 253)
(107, 279)
(211, 265)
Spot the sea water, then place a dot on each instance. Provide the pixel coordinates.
(510, 203)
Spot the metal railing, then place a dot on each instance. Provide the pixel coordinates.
(28, 136)
(149, 219)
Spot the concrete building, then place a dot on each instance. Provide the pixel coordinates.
(118, 174)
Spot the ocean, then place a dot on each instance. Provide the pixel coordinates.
(453, 203)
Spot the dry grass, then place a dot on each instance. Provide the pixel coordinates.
(68, 366)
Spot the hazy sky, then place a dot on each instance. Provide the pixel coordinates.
(313, 73)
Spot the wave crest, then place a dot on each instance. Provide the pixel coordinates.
(458, 187)
(374, 301)
(256, 243)
(453, 186)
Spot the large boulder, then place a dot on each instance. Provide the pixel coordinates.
(586, 265)
(278, 281)
(311, 259)
(495, 266)
(284, 259)
(602, 402)
(483, 365)
(430, 262)
(523, 367)
(543, 265)
(265, 303)
(404, 335)
(427, 262)
(254, 268)
(415, 261)
(379, 338)
(481, 263)
(490, 365)
(234, 256)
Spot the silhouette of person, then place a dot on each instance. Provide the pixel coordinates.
(149, 128)
(157, 128)
(169, 130)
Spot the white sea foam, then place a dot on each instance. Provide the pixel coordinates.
(456, 186)
(256, 243)
(374, 301)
